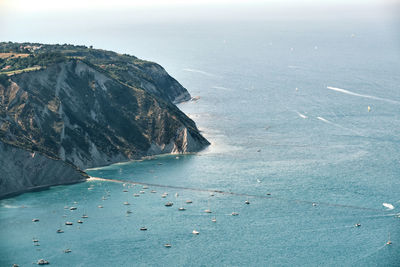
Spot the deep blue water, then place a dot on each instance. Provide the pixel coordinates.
(302, 146)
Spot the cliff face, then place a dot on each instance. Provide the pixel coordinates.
(22, 170)
(77, 114)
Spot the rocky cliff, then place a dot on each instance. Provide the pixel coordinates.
(85, 111)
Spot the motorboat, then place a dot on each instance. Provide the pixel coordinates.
(68, 223)
(67, 250)
(72, 208)
(42, 262)
(167, 245)
(214, 220)
(357, 225)
(143, 229)
(100, 206)
(169, 204)
(126, 203)
(195, 232)
(84, 216)
(235, 214)
(181, 208)
(247, 202)
(189, 201)
(207, 211)
(59, 231)
(35, 220)
(79, 221)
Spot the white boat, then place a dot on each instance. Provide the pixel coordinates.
(67, 250)
(247, 202)
(42, 262)
(195, 232)
(169, 204)
(68, 223)
(126, 203)
(207, 211)
(35, 220)
(79, 221)
(235, 214)
(59, 231)
(153, 191)
(72, 208)
(145, 187)
(389, 242)
(181, 208)
(189, 202)
(357, 225)
(84, 216)
(143, 229)
(167, 245)
(100, 206)
(214, 220)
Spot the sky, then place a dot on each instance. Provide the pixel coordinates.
(23, 18)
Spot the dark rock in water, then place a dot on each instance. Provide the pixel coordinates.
(85, 108)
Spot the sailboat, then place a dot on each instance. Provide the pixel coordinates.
(369, 108)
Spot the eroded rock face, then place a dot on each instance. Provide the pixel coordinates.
(22, 170)
(77, 116)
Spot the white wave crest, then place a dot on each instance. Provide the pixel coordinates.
(344, 91)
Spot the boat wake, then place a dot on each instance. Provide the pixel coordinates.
(301, 115)
(388, 206)
(344, 91)
(199, 71)
(338, 125)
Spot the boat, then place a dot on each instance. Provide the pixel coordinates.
(100, 206)
(207, 211)
(67, 250)
(128, 212)
(169, 204)
(42, 262)
(68, 223)
(176, 194)
(153, 191)
(136, 195)
(195, 232)
(389, 242)
(189, 202)
(163, 196)
(167, 245)
(369, 109)
(314, 204)
(212, 194)
(268, 194)
(357, 225)
(59, 231)
(145, 187)
(126, 203)
(36, 244)
(72, 208)
(181, 208)
(143, 229)
(142, 192)
(247, 202)
(84, 216)
(124, 190)
(35, 220)
(235, 214)
(79, 221)
(214, 220)
(35, 240)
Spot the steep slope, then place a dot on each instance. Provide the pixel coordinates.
(73, 113)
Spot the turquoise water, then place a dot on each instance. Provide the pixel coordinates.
(304, 146)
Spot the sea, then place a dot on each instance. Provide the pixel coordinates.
(303, 119)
